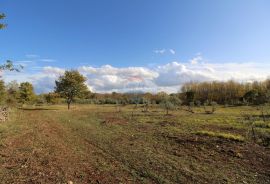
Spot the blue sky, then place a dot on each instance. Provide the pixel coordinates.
(142, 34)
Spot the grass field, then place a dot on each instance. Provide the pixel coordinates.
(97, 144)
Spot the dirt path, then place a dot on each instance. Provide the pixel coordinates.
(48, 152)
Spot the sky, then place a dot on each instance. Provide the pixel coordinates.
(120, 45)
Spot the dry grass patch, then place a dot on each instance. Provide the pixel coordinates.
(228, 136)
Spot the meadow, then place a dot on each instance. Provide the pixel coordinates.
(105, 144)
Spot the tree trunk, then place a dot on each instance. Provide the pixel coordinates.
(263, 116)
(69, 102)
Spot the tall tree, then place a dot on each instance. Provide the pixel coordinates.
(71, 85)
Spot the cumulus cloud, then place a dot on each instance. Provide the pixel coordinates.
(108, 78)
(44, 84)
(173, 74)
(168, 77)
(53, 70)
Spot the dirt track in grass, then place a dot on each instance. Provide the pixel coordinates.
(45, 151)
(96, 145)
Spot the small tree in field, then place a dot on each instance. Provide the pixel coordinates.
(213, 107)
(146, 103)
(71, 85)
(170, 103)
(26, 92)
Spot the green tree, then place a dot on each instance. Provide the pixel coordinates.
(26, 92)
(8, 65)
(170, 103)
(190, 95)
(2, 16)
(12, 92)
(71, 85)
(52, 98)
(251, 96)
(146, 103)
(2, 92)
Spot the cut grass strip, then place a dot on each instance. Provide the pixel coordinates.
(261, 124)
(228, 136)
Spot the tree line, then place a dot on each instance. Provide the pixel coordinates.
(228, 93)
(71, 87)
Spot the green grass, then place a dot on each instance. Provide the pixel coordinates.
(146, 148)
(221, 135)
(261, 124)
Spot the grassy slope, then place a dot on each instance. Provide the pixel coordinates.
(92, 144)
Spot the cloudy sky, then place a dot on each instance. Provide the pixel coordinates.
(154, 45)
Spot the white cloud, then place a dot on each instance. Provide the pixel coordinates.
(43, 79)
(48, 60)
(31, 56)
(24, 63)
(161, 51)
(108, 78)
(196, 59)
(168, 77)
(53, 70)
(175, 74)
